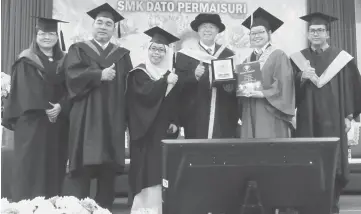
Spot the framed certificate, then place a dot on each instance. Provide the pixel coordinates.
(223, 70)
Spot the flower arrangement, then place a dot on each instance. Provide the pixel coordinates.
(5, 88)
(55, 205)
(354, 134)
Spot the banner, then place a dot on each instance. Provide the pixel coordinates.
(175, 17)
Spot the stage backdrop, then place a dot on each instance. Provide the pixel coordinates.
(175, 17)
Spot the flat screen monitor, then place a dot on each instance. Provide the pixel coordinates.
(253, 176)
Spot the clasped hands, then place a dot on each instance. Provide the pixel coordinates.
(53, 112)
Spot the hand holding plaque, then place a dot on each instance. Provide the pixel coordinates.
(222, 70)
(249, 78)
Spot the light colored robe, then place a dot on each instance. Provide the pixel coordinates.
(270, 117)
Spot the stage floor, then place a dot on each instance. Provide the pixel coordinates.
(350, 204)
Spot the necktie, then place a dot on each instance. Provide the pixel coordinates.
(209, 50)
(258, 54)
(319, 51)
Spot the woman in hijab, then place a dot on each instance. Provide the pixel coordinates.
(152, 118)
(267, 112)
(35, 111)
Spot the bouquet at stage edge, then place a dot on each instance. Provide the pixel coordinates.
(5, 87)
(55, 205)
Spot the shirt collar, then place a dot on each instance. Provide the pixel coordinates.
(262, 49)
(213, 47)
(102, 46)
(323, 48)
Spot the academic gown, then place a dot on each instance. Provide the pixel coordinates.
(195, 98)
(321, 112)
(40, 147)
(97, 116)
(150, 114)
(270, 117)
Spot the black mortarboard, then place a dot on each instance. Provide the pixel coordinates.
(50, 25)
(161, 36)
(107, 11)
(261, 17)
(318, 18)
(47, 24)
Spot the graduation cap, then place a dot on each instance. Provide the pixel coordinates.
(50, 25)
(318, 18)
(161, 36)
(105, 10)
(261, 17)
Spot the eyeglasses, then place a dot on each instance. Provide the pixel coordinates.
(49, 34)
(257, 33)
(318, 31)
(160, 50)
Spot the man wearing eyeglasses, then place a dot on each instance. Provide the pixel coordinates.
(209, 111)
(328, 86)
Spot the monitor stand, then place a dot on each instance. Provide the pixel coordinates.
(252, 203)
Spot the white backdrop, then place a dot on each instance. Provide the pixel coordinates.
(290, 37)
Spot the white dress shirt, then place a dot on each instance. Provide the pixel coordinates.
(260, 51)
(103, 46)
(210, 49)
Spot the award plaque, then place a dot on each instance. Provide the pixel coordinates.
(249, 78)
(222, 70)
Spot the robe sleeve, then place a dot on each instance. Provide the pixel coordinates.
(298, 83)
(352, 90)
(65, 99)
(81, 75)
(281, 93)
(26, 93)
(65, 102)
(147, 90)
(144, 99)
(185, 67)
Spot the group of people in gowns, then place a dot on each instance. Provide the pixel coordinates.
(81, 104)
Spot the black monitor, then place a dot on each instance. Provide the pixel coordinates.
(253, 176)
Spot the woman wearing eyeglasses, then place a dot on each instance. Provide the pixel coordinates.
(36, 112)
(267, 111)
(152, 118)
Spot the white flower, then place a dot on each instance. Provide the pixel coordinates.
(5, 84)
(71, 205)
(89, 204)
(43, 206)
(55, 205)
(102, 211)
(25, 207)
(7, 207)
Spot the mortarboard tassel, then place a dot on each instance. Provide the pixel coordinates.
(174, 60)
(62, 41)
(251, 21)
(119, 34)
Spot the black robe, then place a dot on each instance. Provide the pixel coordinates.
(321, 112)
(40, 147)
(150, 114)
(195, 98)
(97, 116)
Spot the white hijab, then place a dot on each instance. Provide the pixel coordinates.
(155, 72)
